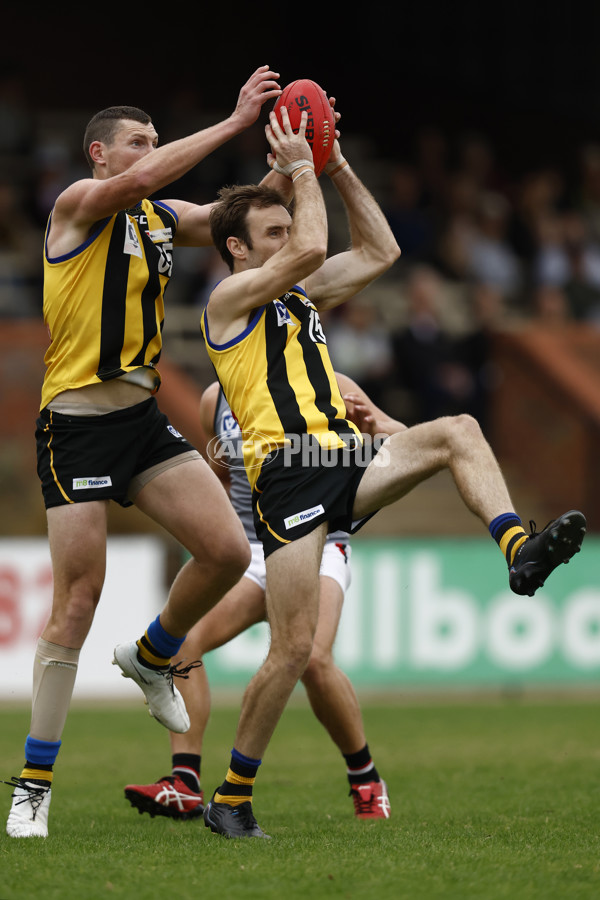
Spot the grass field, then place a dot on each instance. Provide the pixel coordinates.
(490, 799)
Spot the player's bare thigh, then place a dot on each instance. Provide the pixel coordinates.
(77, 540)
(292, 596)
(190, 502)
(404, 461)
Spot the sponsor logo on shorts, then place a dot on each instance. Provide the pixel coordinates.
(96, 481)
(305, 516)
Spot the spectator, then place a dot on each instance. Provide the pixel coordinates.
(490, 257)
(588, 199)
(409, 222)
(455, 227)
(568, 257)
(474, 350)
(476, 157)
(582, 286)
(360, 346)
(550, 307)
(20, 257)
(537, 195)
(426, 353)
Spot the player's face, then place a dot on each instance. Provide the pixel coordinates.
(131, 142)
(269, 231)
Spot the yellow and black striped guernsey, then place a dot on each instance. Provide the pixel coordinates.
(278, 379)
(104, 302)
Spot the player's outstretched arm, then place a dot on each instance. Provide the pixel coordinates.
(91, 199)
(373, 246)
(195, 230)
(290, 253)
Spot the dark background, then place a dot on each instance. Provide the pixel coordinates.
(527, 75)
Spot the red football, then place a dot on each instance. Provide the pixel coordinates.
(305, 94)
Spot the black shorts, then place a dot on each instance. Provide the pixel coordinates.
(83, 458)
(291, 499)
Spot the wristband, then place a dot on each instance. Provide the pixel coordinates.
(298, 173)
(292, 167)
(333, 168)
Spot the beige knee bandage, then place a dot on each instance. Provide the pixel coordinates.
(54, 671)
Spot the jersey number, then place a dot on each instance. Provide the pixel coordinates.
(315, 329)
(165, 263)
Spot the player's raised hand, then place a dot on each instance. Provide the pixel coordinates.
(367, 417)
(361, 414)
(336, 151)
(260, 87)
(288, 150)
(336, 115)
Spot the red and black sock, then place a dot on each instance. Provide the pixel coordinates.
(187, 767)
(360, 767)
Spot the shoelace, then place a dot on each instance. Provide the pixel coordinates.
(533, 526)
(180, 671)
(361, 805)
(532, 533)
(245, 814)
(35, 793)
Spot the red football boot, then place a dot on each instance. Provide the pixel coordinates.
(168, 796)
(371, 800)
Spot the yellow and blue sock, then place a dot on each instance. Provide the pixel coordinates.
(40, 757)
(157, 647)
(239, 781)
(508, 532)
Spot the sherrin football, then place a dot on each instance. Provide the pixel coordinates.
(305, 94)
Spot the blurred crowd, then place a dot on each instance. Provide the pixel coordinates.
(482, 247)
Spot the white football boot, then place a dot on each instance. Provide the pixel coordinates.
(28, 815)
(164, 701)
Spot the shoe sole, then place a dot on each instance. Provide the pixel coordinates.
(563, 541)
(150, 806)
(18, 833)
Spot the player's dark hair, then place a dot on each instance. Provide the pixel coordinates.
(228, 216)
(104, 125)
